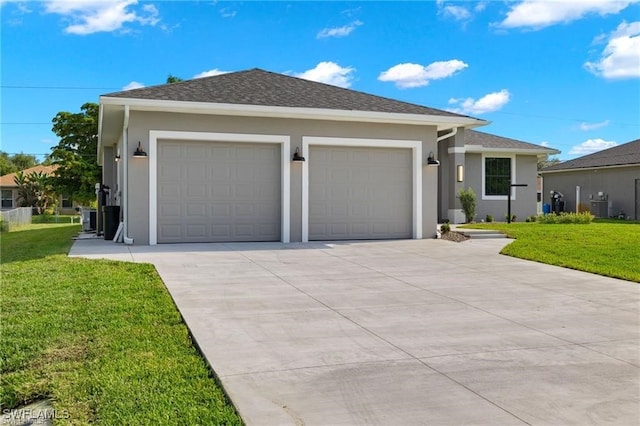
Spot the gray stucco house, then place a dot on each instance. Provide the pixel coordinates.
(220, 159)
(606, 182)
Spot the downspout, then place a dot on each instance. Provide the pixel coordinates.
(447, 135)
(125, 176)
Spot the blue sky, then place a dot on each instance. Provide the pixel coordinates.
(560, 73)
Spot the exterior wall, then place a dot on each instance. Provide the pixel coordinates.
(617, 184)
(138, 169)
(523, 199)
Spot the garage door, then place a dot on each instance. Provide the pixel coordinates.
(360, 193)
(218, 191)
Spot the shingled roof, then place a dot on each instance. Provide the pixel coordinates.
(486, 140)
(621, 155)
(7, 180)
(265, 88)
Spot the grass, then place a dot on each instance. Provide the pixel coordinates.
(101, 338)
(604, 247)
(55, 218)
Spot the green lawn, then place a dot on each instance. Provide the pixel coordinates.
(605, 247)
(102, 339)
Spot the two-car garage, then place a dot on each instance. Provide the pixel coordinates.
(221, 190)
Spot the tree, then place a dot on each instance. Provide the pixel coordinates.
(468, 202)
(173, 79)
(6, 165)
(15, 162)
(34, 190)
(24, 161)
(76, 154)
(547, 162)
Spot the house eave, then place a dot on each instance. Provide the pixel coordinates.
(479, 149)
(152, 105)
(579, 169)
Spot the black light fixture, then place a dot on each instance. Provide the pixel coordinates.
(297, 156)
(431, 160)
(140, 152)
(117, 158)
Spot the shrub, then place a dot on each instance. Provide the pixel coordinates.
(445, 227)
(564, 217)
(468, 202)
(488, 218)
(513, 217)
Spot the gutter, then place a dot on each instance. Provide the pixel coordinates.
(447, 135)
(125, 176)
(443, 122)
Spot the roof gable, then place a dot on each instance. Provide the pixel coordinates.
(265, 88)
(620, 155)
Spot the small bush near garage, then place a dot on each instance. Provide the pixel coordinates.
(566, 218)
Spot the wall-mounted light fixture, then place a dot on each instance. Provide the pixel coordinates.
(460, 173)
(431, 160)
(117, 158)
(139, 152)
(297, 156)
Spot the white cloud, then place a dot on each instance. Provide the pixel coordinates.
(339, 31)
(536, 14)
(228, 13)
(621, 57)
(133, 85)
(210, 73)
(458, 13)
(488, 103)
(92, 16)
(590, 146)
(330, 73)
(410, 75)
(480, 6)
(593, 126)
(544, 143)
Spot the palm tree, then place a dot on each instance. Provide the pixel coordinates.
(34, 190)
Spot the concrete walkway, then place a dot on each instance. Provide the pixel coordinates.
(403, 332)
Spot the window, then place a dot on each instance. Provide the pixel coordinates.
(497, 176)
(66, 202)
(7, 199)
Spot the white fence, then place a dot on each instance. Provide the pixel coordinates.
(15, 218)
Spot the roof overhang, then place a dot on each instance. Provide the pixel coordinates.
(112, 115)
(581, 169)
(478, 149)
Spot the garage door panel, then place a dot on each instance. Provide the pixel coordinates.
(360, 193)
(218, 191)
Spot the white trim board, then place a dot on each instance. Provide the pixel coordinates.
(416, 147)
(285, 179)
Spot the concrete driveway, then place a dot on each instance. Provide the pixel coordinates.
(403, 332)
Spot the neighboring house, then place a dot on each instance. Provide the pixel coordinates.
(9, 189)
(217, 159)
(606, 182)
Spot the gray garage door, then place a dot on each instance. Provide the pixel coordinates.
(218, 191)
(360, 193)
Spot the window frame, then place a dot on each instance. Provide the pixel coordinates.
(3, 199)
(511, 157)
(66, 198)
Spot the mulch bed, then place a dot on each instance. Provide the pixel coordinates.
(457, 237)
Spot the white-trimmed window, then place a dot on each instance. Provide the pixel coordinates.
(7, 199)
(498, 173)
